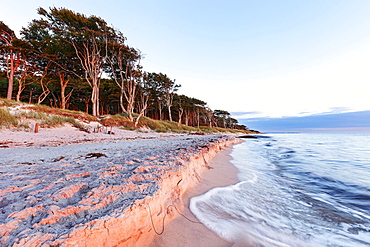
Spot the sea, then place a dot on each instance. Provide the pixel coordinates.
(294, 190)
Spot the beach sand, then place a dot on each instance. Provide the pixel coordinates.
(81, 189)
(68, 135)
(182, 232)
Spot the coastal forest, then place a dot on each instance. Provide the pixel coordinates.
(71, 61)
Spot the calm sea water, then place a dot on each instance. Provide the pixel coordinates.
(295, 190)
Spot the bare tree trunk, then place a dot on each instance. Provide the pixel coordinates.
(30, 97)
(19, 91)
(144, 106)
(11, 77)
(62, 96)
(169, 99)
(169, 113)
(181, 111)
(21, 85)
(186, 118)
(95, 99)
(209, 113)
(160, 110)
(63, 85)
(92, 62)
(45, 91)
(121, 103)
(86, 101)
(130, 97)
(125, 79)
(43, 95)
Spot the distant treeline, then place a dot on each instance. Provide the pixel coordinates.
(71, 61)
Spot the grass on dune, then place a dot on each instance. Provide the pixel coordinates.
(52, 117)
(6, 119)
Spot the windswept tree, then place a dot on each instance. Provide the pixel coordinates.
(27, 72)
(169, 88)
(125, 70)
(179, 101)
(209, 116)
(221, 117)
(163, 90)
(144, 93)
(154, 83)
(191, 108)
(88, 37)
(9, 57)
(57, 58)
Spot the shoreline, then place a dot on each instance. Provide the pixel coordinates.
(105, 193)
(185, 230)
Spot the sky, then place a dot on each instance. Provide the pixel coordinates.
(255, 59)
(345, 122)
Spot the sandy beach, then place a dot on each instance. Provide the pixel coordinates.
(186, 230)
(68, 135)
(69, 188)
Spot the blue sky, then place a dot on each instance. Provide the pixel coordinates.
(273, 58)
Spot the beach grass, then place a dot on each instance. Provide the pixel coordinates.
(6, 119)
(15, 114)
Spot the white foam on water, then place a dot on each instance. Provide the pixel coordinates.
(220, 210)
(283, 201)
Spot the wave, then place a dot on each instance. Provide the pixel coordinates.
(289, 196)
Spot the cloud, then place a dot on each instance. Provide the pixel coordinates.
(338, 122)
(248, 114)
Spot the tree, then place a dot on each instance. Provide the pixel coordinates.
(143, 95)
(153, 82)
(125, 70)
(169, 88)
(192, 108)
(163, 90)
(25, 69)
(88, 37)
(58, 58)
(221, 117)
(9, 55)
(179, 101)
(25, 75)
(210, 117)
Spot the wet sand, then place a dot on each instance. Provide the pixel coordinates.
(186, 230)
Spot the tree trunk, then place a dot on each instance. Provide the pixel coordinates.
(187, 118)
(11, 78)
(144, 105)
(63, 85)
(181, 111)
(18, 97)
(160, 110)
(63, 96)
(130, 109)
(30, 97)
(87, 100)
(95, 99)
(121, 103)
(45, 91)
(169, 113)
